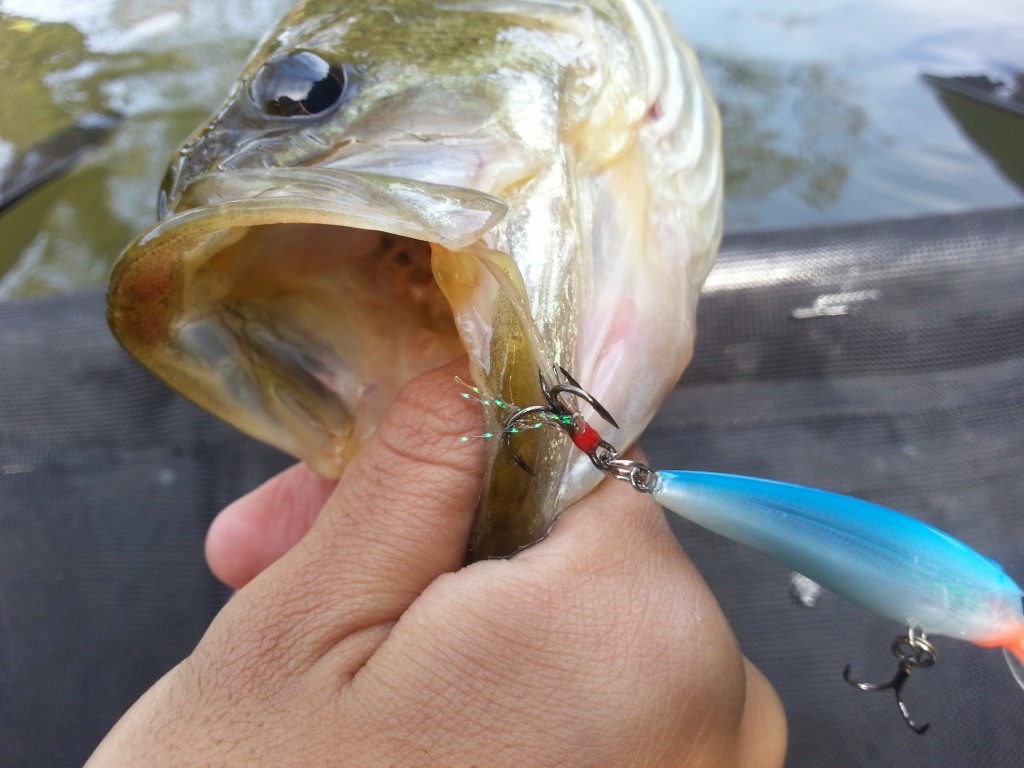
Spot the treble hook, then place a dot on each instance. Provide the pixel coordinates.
(562, 415)
(573, 388)
(911, 650)
(565, 416)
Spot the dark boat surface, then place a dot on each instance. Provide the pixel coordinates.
(991, 114)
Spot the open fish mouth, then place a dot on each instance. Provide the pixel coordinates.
(330, 232)
(293, 303)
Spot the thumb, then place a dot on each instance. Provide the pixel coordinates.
(404, 505)
(258, 528)
(399, 516)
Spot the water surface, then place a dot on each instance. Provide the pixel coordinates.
(826, 117)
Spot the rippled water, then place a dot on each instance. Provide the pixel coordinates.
(826, 117)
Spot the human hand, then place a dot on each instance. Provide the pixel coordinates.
(362, 643)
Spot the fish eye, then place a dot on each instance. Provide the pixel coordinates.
(297, 84)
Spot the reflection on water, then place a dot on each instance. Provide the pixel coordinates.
(40, 61)
(33, 54)
(826, 117)
(827, 62)
(788, 127)
(163, 65)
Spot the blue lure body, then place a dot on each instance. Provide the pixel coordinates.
(878, 558)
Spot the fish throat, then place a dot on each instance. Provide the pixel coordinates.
(324, 322)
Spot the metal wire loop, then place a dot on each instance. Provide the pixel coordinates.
(636, 473)
(914, 649)
(602, 454)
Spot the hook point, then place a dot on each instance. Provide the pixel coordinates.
(911, 651)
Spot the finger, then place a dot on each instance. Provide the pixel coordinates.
(615, 527)
(607, 616)
(255, 530)
(618, 529)
(404, 506)
(762, 741)
(399, 517)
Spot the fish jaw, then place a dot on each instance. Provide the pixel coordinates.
(293, 304)
(525, 472)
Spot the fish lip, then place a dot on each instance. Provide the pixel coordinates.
(219, 201)
(452, 217)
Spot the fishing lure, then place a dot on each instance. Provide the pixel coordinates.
(880, 559)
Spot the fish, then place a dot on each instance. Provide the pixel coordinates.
(392, 184)
(885, 561)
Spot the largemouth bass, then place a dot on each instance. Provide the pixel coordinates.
(535, 182)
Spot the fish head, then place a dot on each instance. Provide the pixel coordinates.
(392, 183)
